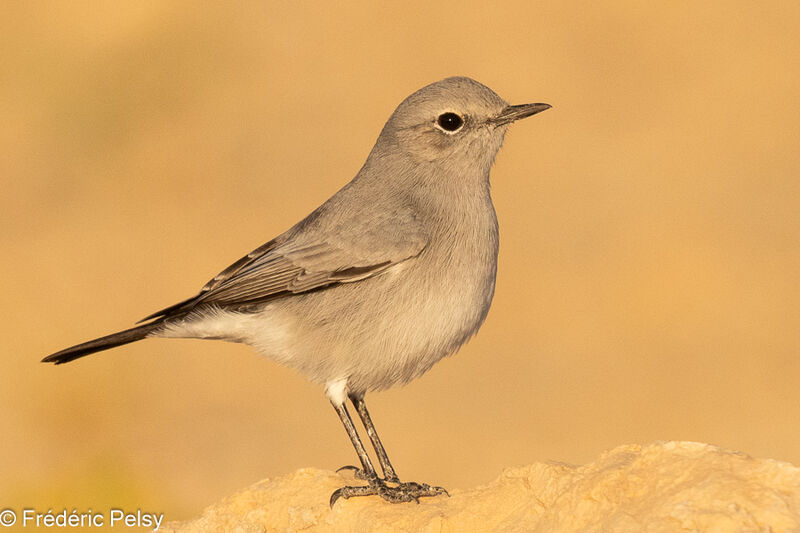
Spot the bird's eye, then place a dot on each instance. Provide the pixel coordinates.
(449, 122)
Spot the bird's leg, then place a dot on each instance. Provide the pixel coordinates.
(367, 471)
(390, 489)
(361, 406)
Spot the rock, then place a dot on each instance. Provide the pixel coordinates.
(665, 486)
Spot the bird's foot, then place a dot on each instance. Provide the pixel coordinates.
(391, 491)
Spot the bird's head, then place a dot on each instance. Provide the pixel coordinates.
(455, 121)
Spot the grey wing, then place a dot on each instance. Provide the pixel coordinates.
(285, 266)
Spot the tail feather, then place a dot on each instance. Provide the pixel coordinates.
(103, 343)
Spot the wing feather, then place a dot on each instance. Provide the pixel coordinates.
(334, 244)
(275, 269)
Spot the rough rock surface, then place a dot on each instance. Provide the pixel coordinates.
(665, 486)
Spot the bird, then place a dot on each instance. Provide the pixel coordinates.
(391, 274)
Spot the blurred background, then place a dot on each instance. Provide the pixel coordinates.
(650, 234)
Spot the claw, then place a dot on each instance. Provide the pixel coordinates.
(348, 492)
(358, 473)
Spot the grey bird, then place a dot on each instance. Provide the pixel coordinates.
(391, 274)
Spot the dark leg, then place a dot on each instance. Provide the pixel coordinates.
(388, 471)
(366, 463)
(390, 489)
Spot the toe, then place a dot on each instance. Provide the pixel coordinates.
(358, 473)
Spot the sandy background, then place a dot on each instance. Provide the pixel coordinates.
(650, 235)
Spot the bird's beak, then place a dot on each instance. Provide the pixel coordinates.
(516, 112)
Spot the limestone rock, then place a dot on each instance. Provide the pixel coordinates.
(662, 487)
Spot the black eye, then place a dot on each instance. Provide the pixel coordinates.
(449, 121)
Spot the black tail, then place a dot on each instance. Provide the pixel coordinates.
(103, 343)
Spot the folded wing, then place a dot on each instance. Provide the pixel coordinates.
(286, 266)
